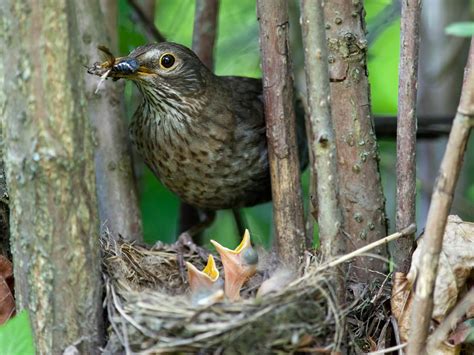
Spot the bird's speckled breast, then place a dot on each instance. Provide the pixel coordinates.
(206, 164)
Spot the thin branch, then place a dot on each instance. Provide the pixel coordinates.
(406, 131)
(382, 20)
(388, 350)
(116, 189)
(152, 32)
(281, 130)
(384, 241)
(322, 142)
(204, 33)
(441, 202)
(428, 127)
(449, 323)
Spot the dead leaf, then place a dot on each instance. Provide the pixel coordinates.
(455, 265)
(401, 304)
(7, 301)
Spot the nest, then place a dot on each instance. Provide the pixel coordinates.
(149, 309)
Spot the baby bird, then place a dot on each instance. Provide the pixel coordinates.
(239, 265)
(206, 286)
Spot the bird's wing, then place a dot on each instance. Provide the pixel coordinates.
(249, 93)
(247, 97)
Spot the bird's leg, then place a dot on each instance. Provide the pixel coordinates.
(188, 217)
(239, 220)
(185, 240)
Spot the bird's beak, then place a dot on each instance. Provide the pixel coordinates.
(200, 281)
(133, 64)
(123, 67)
(239, 265)
(206, 286)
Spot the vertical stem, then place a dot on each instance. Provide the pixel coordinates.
(322, 142)
(441, 202)
(406, 131)
(281, 134)
(204, 33)
(152, 33)
(360, 189)
(119, 209)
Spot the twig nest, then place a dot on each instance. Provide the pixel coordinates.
(150, 308)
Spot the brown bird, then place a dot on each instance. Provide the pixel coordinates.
(201, 134)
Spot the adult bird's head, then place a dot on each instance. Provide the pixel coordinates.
(163, 70)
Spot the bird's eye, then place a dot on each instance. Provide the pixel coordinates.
(167, 61)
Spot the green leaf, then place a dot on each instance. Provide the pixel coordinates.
(16, 337)
(461, 29)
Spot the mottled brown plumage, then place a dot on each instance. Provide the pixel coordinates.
(202, 135)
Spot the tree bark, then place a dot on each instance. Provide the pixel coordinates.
(50, 175)
(441, 202)
(361, 196)
(4, 209)
(117, 194)
(406, 132)
(322, 142)
(281, 133)
(204, 33)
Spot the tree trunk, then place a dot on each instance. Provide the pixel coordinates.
(361, 196)
(4, 209)
(281, 132)
(322, 142)
(117, 194)
(406, 132)
(50, 175)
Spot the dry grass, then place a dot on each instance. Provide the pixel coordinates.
(150, 310)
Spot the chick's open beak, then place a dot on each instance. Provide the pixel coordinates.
(239, 265)
(203, 280)
(206, 286)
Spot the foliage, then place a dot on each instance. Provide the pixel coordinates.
(460, 29)
(16, 337)
(237, 53)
